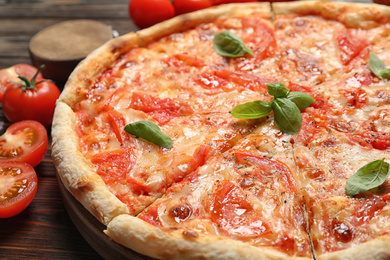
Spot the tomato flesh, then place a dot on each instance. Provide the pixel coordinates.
(234, 214)
(18, 185)
(25, 141)
(349, 46)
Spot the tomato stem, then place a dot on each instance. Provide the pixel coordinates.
(30, 84)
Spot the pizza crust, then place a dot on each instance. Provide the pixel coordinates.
(190, 20)
(75, 171)
(375, 249)
(91, 67)
(159, 243)
(353, 15)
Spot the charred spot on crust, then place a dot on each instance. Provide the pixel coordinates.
(85, 187)
(189, 235)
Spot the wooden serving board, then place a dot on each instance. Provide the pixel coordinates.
(92, 230)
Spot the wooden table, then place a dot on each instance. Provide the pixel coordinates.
(44, 230)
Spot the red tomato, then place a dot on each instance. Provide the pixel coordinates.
(350, 46)
(11, 74)
(186, 6)
(25, 141)
(18, 185)
(233, 213)
(146, 13)
(218, 2)
(30, 100)
(383, 2)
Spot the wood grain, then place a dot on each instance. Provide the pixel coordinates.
(22, 19)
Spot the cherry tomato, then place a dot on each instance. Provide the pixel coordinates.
(25, 141)
(218, 2)
(186, 6)
(11, 74)
(30, 100)
(18, 185)
(146, 13)
(383, 2)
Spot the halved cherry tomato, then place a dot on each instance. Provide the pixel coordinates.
(30, 100)
(25, 141)
(146, 13)
(18, 185)
(186, 6)
(11, 74)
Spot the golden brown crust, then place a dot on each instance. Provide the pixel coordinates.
(377, 249)
(190, 20)
(90, 68)
(352, 15)
(75, 171)
(158, 243)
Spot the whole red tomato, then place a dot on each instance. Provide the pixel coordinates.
(186, 6)
(11, 74)
(146, 13)
(30, 100)
(383, 2)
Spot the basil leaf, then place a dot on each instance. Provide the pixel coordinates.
(288, 118)
(252, 110)
(369, 176)
(376, 65)
(278, 90)
(385, 73)
(228, 44)
(301, 99)
(149, 132)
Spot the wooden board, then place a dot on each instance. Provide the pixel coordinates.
(92, 230)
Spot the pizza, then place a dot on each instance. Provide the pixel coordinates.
(242, 131)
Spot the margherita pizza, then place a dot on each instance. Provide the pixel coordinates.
(242, 131)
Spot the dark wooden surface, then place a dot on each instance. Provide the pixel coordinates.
(44, 230)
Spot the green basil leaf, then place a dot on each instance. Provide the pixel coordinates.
(228, 44)
(370, 176)
(301, 99)
(287, 115)
(385, 73)
(278, 90)
(376, 65)
(149, 132)
(252, 110)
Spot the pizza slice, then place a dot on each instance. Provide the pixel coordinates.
(336, 141)
(339, 221)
